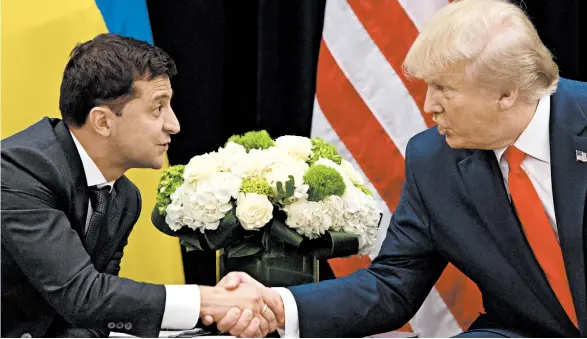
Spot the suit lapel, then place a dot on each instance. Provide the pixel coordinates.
(569, 188)
(485, 186)
(80, 193)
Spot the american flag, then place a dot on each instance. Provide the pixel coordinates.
(368, 109)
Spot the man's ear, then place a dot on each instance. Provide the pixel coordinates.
(99, 120)
(507, 99)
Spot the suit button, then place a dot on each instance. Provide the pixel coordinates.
(111, 325)
(119, 326)
(127, 326)
(26, 335)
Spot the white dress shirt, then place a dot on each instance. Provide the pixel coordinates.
(534, 141)
(182, 302)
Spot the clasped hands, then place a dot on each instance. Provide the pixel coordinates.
(242, 306)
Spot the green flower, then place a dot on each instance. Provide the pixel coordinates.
(170, 180)
(364, 189)
(323, 149)
(259, 186)
(253, 140)
(324, 181)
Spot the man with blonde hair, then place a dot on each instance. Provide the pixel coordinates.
(498, 189)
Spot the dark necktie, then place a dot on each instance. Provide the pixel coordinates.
(99, 198)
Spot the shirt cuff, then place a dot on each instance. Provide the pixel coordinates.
(292, 327)
(182, 307)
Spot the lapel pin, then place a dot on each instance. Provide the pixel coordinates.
(581, 156)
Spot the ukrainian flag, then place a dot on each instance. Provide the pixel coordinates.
(37, 36)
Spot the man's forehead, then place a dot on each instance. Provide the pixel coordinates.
(159, 86)
(449, 76)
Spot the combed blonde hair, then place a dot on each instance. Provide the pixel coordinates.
(491, 40)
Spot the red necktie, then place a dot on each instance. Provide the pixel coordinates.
(538, 230)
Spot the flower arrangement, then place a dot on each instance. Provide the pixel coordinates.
(296, 184)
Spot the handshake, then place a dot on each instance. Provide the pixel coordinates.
(242, 306)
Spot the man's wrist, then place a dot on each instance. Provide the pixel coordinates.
(207, 296)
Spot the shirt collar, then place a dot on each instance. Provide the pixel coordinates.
(94, 176)
(535, 140)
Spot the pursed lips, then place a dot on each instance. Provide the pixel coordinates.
(165, 144)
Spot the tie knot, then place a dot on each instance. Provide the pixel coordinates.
(100, 198)
(514, 157)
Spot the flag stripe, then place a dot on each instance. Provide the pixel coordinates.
(393, 41)
(433, 318)
(370, 73)
(321, 127)
(461, 295)
(359, 130)
(422, 10)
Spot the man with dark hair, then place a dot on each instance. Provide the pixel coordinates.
(68, 209)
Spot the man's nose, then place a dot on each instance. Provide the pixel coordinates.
(430, 104)
(171, 124)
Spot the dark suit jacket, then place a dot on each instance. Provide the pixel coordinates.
(51, 286)
(454, 208)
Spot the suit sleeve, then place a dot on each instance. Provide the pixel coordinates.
(41, 240)
(385, 296)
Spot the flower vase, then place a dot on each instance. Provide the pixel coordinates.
(277, 265)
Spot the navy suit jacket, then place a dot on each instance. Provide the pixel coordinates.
(454, 208)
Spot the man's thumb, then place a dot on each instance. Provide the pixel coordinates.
(231, 281)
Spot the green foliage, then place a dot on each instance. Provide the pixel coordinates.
(324, 181)
(170, 180)
(259, 186)
(286, 192)
(364, 189)
(253, 140)
(323, 149)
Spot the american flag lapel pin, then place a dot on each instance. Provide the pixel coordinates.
(581, 156)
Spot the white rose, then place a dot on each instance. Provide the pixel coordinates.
(202, 167)
(351, 172)
(253, 210)
(281, 172)
(253, 165)
(298, 147)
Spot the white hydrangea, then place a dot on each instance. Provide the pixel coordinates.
(202, 167)
(203, 203)
(296, 146)
(361, 218)
(308, 218)
(253, 210)
(232, 155)
(174, 216)
(334, 207)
